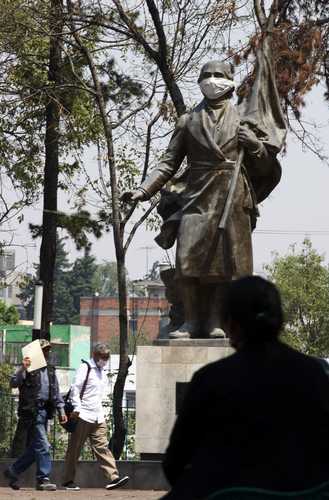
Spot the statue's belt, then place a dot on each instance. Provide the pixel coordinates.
(224, 165)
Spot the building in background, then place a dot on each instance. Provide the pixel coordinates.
(70, 344)
(10, 279)
(145, 314)
(7, 262)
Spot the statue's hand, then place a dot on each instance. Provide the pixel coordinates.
(132, 196)
(248, 139)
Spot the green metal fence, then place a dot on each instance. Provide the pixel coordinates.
(58, 438)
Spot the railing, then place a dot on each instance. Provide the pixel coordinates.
(58, 437)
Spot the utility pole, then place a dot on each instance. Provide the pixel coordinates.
(147, 249)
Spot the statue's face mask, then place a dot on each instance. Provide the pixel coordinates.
(216, 80)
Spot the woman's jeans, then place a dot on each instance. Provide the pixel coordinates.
(38, 449)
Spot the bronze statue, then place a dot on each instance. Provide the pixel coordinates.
(174, 297)
(217, 142)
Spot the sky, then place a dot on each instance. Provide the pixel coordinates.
(297, 208)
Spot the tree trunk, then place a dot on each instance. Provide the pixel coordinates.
(49, 219)
(119, 434)
(118, 438)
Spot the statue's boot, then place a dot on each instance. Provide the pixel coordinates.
(214, 323)
(187, 330)
(217, 333)
(191, 326)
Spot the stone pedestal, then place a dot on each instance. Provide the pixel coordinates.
(163, 372)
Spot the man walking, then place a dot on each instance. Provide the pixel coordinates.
(87, 395)
(38, 398)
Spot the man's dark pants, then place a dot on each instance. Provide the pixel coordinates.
(37, 451)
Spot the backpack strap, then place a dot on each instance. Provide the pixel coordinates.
(67, 395)
(86, 379)
(83, 388)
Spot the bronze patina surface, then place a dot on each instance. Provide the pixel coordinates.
(211, 138)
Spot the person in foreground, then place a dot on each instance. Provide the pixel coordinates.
(258, 418)
(91, 420)
(39, 396)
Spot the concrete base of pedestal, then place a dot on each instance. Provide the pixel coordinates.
(163, 371)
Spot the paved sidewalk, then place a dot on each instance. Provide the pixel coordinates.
(84, 494)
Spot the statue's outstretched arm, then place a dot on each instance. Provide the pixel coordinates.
(168, 166)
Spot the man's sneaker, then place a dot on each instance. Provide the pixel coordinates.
(45, 485)
(117, 483)
(71, 486)
(13, 479)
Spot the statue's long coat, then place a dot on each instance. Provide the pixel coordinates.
(211, 149)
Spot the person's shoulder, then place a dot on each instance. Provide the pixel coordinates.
(85, 365)
(290, 351)
(192, 114)
(306, 361)
(199, 107)
(219, 366)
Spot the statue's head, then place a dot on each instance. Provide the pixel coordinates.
(217, 69)
(216, 80)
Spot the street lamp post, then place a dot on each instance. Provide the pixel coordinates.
(37, 313)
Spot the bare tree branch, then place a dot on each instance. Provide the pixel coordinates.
(160, 56)
(140, 222)
(260, 12)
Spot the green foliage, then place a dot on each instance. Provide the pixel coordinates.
(23, 74)
(7, 423)
(303, 280)
(119, 88)
(129, 416)
(78, 226)
(7, 410)
(5, 373)
(80, 282)
(105, 279)
(63, 309)
(63, 299)
(82, 278)
(58, 437)
(27, 87)
(127, 158)
(26, 294)
(8, 314)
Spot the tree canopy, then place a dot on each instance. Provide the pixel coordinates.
(8, 314)
(303, 280)
(81, 278)
(105, 279)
